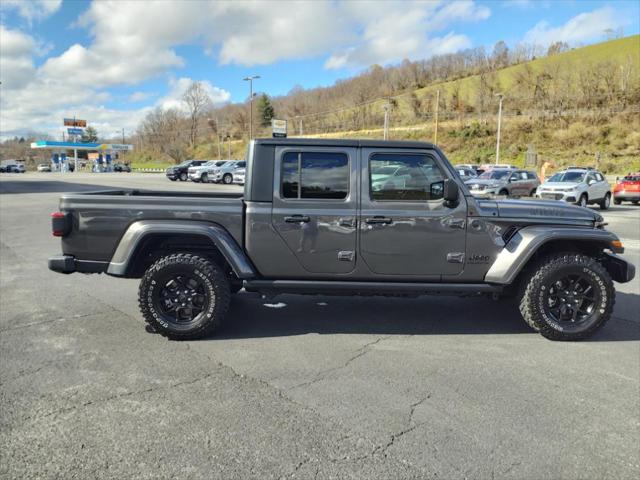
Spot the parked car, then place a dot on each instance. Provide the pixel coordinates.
(224, 173)
(203, 173)
(180, 172)
(627, 189)
(506, 182)
(121, 167)
(16, 168)
(466, 172)
(239, 175)
(582, 186)
(310, 223)
(44, 167)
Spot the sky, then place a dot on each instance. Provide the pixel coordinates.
(112, 61)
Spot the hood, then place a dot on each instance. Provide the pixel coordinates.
(483, 181)
(558, 185)
(536, 210)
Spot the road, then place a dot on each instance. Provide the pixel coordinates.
(302, 387)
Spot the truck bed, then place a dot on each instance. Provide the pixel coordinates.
(100, 218)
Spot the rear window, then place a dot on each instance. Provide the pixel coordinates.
(318, 175)
(632, 178)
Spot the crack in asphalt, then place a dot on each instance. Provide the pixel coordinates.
(324, 373)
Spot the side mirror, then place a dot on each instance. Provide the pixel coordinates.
(451, 192)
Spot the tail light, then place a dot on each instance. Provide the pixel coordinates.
(60, 224)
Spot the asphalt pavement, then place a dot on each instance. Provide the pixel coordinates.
(298, 387)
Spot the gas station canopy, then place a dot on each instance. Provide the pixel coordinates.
(115, 147)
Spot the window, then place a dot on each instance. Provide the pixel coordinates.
(320, 175)
(599, 177)
(409, 177)
(532, 176)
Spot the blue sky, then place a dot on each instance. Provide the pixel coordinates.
(113, 61)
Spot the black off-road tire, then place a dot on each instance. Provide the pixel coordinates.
(214, 284)
(538, 279)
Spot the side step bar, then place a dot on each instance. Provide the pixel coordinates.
(368, 288)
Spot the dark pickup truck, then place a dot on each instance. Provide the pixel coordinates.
(345, 217)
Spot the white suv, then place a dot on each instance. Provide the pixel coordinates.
(204, 173)
(581, 186)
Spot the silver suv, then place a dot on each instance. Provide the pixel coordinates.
(224, 173)
(507, 182)
(581, 186)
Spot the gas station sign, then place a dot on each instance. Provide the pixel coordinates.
(74, 122)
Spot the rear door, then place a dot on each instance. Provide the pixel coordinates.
(314, 206)
(406, 228)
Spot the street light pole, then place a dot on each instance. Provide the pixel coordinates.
(501, 96)
(250, 79)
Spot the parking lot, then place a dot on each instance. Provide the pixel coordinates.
(297, 387)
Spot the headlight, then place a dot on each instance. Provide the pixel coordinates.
(567, 189)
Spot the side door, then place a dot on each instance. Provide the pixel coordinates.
(603, 185)
(593, 190)
(406, 230)
(518, 181)
(314, 206)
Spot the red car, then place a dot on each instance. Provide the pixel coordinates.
(627, 189)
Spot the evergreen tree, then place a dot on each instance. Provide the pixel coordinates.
(90, 135)
(265, 110)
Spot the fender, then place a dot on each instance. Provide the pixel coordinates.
(528, 240)
(219, 236)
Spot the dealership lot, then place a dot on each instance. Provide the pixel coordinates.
(297, 387)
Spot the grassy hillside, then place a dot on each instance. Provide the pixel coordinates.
(608, 138)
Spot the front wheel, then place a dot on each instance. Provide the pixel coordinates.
(567, 296)
(582, 201)
(183, 177)
(183, 296)
(617, 201)
(204, 178)
(227, 179)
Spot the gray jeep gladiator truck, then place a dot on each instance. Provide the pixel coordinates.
(311, 222)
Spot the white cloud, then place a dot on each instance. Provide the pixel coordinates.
(584, 27)
(177, 88)
(16, 58)
(396, 31)
(137, 97)
(32, 10)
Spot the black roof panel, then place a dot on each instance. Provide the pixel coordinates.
(336, 142)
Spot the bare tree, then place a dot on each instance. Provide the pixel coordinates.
(197, 100)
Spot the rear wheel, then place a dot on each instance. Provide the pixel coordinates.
(606, 202)
(532, 193)
(227, 179)
(567, 296)
(635, 202)
(617, 201)
(184, 296)
(504, 193)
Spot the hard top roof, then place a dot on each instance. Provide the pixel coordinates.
(336, 142)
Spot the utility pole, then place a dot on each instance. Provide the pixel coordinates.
(219, 146)
(435, 133)
(386, 120)
(123, 135)
(501, 96)
(229, 145)
(300, 126)
(250, 79)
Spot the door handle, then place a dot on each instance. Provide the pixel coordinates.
(378, 221)
(297, 219)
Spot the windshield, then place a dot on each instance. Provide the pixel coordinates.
(185, 164)
(632, 178)
(219, 163)
(576, 177)
(495, 174)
